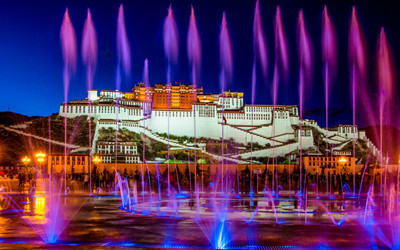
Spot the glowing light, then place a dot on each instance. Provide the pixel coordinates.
(96, 159)
(26, 160)
(40, 157)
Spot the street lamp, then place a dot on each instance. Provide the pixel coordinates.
(342, 161)
(96, 160)
(26, 161)
(40, 157)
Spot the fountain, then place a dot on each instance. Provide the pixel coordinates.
(68, 46)
(385, 80)
(329, 60)
(225, 77)
(305, 55)
(223, 214)
(89, 58)
(260, 54)
(171, 44)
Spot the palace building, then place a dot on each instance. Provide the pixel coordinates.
(338, 162)
(126, 152)
(185, 110)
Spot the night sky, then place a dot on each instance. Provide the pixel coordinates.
(31, 60)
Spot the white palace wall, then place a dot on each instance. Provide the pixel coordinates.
(245, 124)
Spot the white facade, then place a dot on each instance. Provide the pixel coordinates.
(125, 151)
(275, 127)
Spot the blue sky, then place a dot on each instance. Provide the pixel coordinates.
(31, 61)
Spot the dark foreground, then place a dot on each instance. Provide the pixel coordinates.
(98, 223)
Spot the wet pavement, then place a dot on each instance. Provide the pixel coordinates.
(98, 222)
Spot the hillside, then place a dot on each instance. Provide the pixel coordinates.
(9, 118)
(77, 129)
(153, 148)
(14, 146)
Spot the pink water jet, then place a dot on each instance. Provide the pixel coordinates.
(357, 45)
(385, 71)
(194, 56)
(194, 48)
(260, 56)
(68, 48)
(305, 50)
(385, 78)
(225, 77)
(281, 71)
(357, 66)
(89, 49)
(281, 63)
(260, 42)
(329, 60)
(146, 73)
(305, 54)
(171, 50)
(225, 54)
(171, 41)
(329, 50)
(123, 50)
(89, 58)
(281, 47)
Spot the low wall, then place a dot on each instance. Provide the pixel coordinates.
(257, 168)
(214, 168)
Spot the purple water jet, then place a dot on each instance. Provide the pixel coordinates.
(305, 51)
(123, 50)
(171, 41)
(259, 47)
(329, 60)
(281, 47)
(384, 73)
(194, 48)
(69, 51)
(194, 56)
(226, 74)
(305, 54)
(385, 78)
(123, 64)
(171, 50)
(89, 58)
(260, 55)
(357, 64)
(225, 55)
(68, 48)
(145, 112)
(329, 56)
(89, 49)
(281, 66)
(146, 73)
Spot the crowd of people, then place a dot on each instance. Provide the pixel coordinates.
(243, 180)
